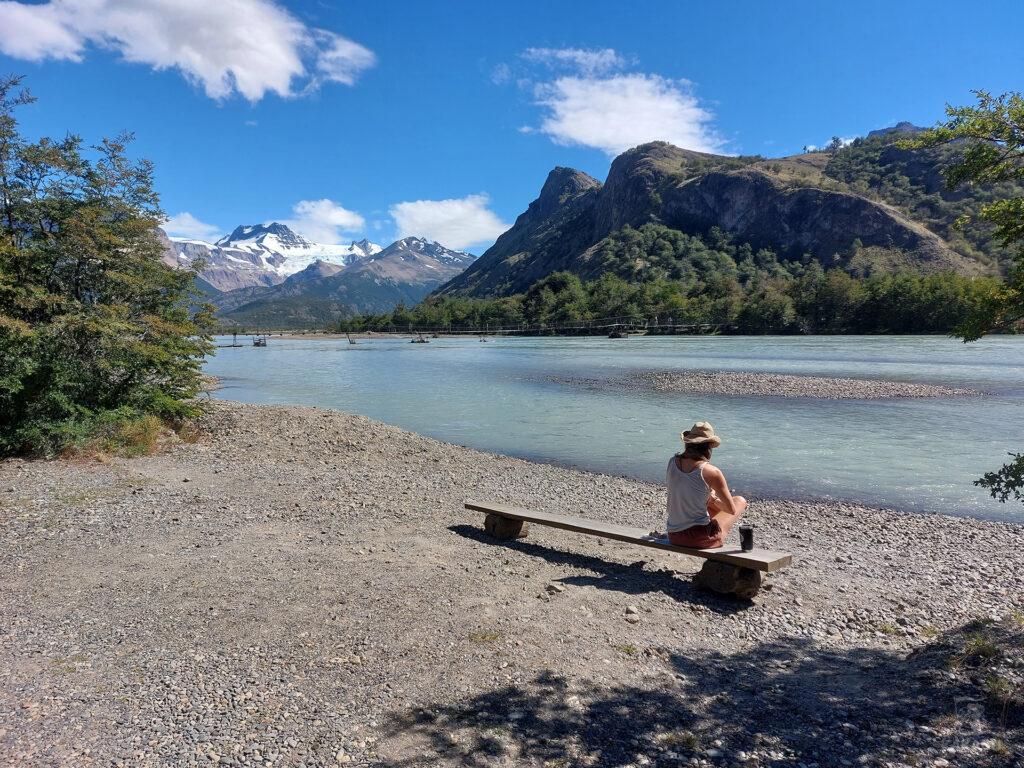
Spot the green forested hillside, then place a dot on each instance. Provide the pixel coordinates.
(282, 314)
(756, 300)
(855, 239)
(910, 179)
(873, 207)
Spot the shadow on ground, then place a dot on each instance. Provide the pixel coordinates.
(634, 579)
(779, 703)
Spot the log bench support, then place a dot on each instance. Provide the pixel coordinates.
(727, 571)
(506, 528)
(729, 579)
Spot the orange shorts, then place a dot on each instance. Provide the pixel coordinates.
(708, 536)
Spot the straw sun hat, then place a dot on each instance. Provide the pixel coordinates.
(701, 432)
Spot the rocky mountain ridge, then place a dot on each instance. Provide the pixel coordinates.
(792, 206)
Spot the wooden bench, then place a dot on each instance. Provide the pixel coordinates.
(727, 570)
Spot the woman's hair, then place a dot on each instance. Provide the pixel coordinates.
(697, 451)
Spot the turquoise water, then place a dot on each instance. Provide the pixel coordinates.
(920, 454)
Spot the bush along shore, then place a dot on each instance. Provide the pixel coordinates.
(304, 587)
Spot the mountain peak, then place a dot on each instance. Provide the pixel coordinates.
(428, 248)
(315, 271)
(901, 127)
(561, 184)
(567, 181)
(255, 233)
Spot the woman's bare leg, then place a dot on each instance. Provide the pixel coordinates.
(725, 518)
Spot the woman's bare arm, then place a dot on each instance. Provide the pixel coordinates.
(721, 499)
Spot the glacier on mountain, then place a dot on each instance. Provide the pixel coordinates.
(263, 254)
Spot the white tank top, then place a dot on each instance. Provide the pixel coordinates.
(688, 496)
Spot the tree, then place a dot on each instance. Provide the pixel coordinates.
(97, 335)
(993, 130)
(766, 310)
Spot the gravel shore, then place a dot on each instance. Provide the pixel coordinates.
(303, 587)
(768, 385)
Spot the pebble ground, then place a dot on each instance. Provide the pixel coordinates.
(303, 587)
(769, 385)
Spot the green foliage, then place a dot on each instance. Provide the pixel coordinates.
(815, 301)
(700, 164)
(767, 310)
(907, 175)
(992, 135)
(657, 252)
(287, 313)
(95, 330)
(123, 431)
(659, 272)
(1006, 481)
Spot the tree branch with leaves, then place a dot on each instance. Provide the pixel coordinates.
(992, 132)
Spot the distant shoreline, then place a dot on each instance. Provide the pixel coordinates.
(524, 335)
(320, 335)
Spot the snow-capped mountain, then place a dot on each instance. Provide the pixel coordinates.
(263, 255)
(277, 239)
(409, 246)
(407, 270)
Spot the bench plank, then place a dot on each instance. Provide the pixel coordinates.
(757, 559)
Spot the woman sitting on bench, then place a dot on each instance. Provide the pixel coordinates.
(701, 511)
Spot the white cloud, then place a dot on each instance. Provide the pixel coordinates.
(324, 221)
(36, 32)
(226, 46)
(501, 74)
(619, 112)
(587, 62)
(184, 224)
(339, 59)
(595, 103)
(456, 224)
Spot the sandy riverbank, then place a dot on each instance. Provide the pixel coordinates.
(304, 587)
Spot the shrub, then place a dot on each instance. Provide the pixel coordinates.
(99, 339)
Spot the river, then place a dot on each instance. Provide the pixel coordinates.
(505, 396)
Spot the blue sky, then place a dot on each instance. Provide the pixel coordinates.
(379, 120)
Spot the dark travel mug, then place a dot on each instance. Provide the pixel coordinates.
(746, 537)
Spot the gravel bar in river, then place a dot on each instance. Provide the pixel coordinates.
(768, 385)
(303, 587)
